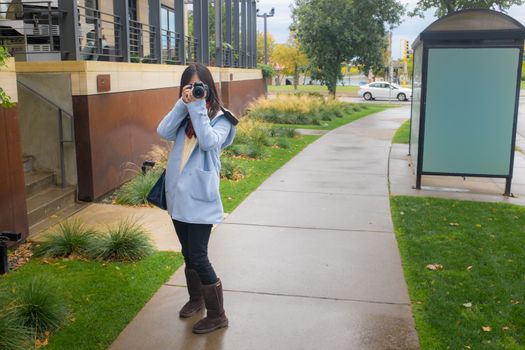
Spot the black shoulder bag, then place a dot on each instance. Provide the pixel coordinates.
(157, 194)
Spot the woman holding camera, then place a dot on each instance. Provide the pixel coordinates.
(201, 128)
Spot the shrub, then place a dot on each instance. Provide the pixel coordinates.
(250, 151)
(230, 170)
(280, 131)
(267, 70)
(125, 241)
(252, 132)
(135, 191)
(71, 237)
(38, 307)
(283, 142)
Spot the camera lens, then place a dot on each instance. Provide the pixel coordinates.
(198, 91)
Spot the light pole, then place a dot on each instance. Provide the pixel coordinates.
(265, 16)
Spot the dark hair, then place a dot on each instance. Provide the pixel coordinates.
(205, 76)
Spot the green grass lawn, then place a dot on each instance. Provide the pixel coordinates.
(234, 192)
(481, 247)
(102, 299)
(337, 122)
(402, 134)
(312, 88)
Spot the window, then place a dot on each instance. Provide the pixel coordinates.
(91, 13)
(167, 19)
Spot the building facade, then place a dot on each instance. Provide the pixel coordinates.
(92, 79)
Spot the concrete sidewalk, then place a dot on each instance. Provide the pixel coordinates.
(308, 261)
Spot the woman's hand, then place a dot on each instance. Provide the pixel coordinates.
(187, 95)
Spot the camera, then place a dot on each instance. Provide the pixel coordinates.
(199, 89)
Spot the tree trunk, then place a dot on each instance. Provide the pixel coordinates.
(295, 78)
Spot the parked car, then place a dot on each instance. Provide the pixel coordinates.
(384, 90)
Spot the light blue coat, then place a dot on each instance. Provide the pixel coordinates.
(193, 195)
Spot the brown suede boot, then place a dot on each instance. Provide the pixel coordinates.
(196, 301)
(215, 316)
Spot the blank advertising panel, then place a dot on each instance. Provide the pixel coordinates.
(469, 113)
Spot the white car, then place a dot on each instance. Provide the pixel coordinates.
(384, 90)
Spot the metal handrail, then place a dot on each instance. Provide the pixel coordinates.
(61, 113)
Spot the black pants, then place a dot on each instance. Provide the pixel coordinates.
(194, 241)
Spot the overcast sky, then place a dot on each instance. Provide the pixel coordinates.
(278, 25)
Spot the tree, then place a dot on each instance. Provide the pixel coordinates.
(260, 46)
(444, 7)
(335, 31)
(291, 60)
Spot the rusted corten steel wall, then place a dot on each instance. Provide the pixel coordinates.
(13, 209)
(112, 130)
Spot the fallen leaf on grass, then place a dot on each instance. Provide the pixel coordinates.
(467, 305)
(505, 328)
(514, 302)
(486, 328)
(478, 225)
(434, 267)
(453, 224)
(469, 268)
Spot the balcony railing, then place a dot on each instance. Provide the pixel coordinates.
(142, 42)
(99, 35)
(191, 47)
(30, 30)
(171, 47)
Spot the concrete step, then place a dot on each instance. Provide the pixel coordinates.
(38, 181)
(36, 230)
(47, 202)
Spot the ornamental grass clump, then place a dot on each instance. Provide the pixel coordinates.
(125, 241)
(298, 109)
(13, 335)
(38, 308)
(69, 238)
(135, 191)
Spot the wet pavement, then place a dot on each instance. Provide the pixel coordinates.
(308, 261)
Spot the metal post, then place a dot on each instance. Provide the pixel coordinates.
(243, 62)
(236, 29)
(154, 21)
(218, 33)
(205, 32)
(249, 33)
(69, 29)
(254, 34)
(120, 7)
(62, 157)
(4, 262)
(197, 27)
(228, 38)
(179, 28)
(265, 40)
(50, 25)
